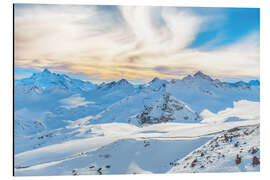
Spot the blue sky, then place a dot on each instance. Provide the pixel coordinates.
(237, 23)
(103, 43)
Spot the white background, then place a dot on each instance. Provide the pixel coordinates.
(6, 94)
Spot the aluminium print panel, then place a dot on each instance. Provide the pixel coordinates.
(135, 89)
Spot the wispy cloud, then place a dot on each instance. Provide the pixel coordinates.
(74, 101)
(125, 42)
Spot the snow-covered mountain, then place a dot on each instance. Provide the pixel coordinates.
(246, 84)
(47, 79)
(47, 101)
(200, 91)
(107, 94)
(254, 83)
(59, 99)
(121, 110)
(123, 83)
(166, 109)
(65, 120)
(155, 84)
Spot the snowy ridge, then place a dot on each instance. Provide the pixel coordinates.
(46, 79)
(237, 149)
(155, 84)
(122, 83)
(246, 84)
(165, 109)
(201, 92)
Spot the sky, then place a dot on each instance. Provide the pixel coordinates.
(138, 43)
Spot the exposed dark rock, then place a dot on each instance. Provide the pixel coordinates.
(236, 144)
(99, 171)
(238, 159)
(255, 161)
(193, 163)
(75, 172)
(253, 150)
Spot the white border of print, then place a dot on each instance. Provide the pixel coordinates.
(6, 86)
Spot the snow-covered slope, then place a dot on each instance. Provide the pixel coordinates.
(121, 110)
(235, 150)
(54, 108)
(148, 106)
(120, 148)
(241, 111)
(25, 125)
(109, 93)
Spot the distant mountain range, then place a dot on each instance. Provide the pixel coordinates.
(54, 100)
(194, 124)
(47, 79)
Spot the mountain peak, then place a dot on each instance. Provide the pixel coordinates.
(156, 84)
(46, 71)
(47, 79)
(155, 79)
(202, 75)
(199, 73)
(254, 83)
(165, 109)
(123, 82)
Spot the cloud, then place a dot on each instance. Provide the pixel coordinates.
(74, 101)
(17, 77)
(238, 59)
(125, 42)
(179, 71)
